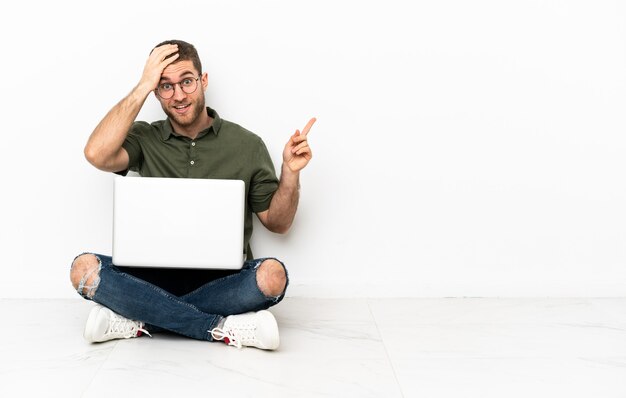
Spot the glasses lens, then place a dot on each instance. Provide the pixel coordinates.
(189, 85)
(165, 90)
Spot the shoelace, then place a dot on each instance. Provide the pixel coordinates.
(236, 335)
(124, 327)
(227, 335)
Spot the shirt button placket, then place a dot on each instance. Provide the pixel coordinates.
(192, 156)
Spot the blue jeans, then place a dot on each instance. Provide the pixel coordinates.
(194, 314)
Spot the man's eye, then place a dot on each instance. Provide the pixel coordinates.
(166, 86)
(187, 82)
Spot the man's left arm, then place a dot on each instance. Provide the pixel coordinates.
(282, 210)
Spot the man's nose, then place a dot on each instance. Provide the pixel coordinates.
(178, 92)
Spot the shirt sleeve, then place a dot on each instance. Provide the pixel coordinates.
(264, 182)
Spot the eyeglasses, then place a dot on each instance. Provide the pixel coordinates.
(188, 85)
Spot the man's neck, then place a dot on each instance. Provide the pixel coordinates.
(203, 122)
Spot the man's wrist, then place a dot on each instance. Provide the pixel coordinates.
(141, 91)
(290, 178)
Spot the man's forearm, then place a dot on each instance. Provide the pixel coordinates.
(108, 137)
(284, 204)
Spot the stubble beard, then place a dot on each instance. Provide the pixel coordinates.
(186, 121)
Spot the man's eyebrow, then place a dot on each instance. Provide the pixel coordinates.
(181, 76)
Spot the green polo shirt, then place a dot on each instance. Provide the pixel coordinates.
(223, 151)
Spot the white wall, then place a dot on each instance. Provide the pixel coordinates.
(462, 148)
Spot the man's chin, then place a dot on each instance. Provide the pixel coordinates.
(185, 120)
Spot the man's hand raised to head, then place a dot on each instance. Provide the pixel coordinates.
(297, 152)
(158, 60)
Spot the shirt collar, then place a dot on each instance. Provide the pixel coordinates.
(168, 131)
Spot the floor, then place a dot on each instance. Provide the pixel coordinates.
(334, 348)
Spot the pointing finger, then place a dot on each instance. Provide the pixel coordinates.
(306, 128)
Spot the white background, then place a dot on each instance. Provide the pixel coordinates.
(462, 148)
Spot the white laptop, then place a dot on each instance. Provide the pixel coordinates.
(178, 222)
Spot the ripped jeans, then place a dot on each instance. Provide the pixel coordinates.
(193, 315)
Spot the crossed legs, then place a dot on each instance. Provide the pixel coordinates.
(259, 285)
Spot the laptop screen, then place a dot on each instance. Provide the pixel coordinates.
(178, 222)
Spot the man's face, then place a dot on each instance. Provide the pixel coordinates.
(183, 108)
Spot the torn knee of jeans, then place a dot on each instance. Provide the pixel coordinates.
(272, 278)
(88, 290)
(90, 279)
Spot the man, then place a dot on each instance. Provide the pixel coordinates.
(192, 142)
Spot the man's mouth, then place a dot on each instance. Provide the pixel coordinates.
(181, 108)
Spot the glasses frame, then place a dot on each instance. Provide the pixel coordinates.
(156, 90)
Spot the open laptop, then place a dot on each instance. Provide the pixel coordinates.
(178, 222)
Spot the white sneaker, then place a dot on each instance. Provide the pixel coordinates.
(253, 329)
(104, 324)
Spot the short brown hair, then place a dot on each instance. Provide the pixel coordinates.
(186, 52)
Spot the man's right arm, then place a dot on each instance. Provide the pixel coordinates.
(104, 148)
